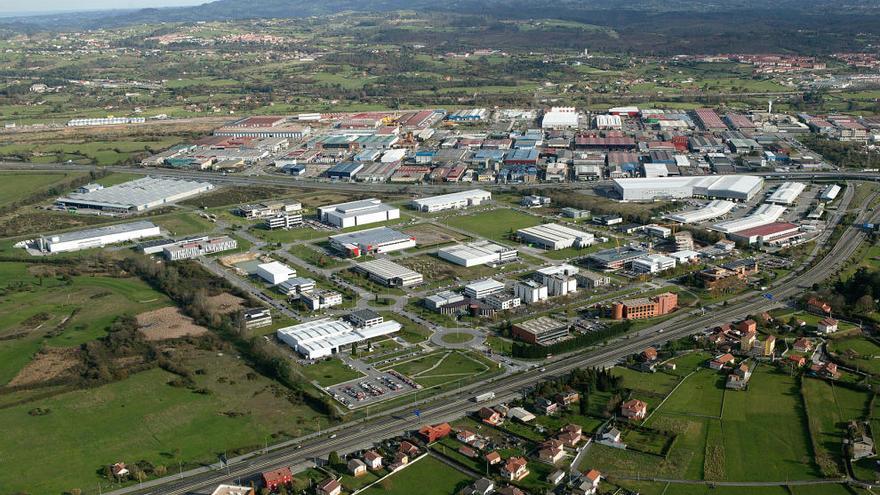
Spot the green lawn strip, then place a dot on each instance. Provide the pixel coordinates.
(427, 476)
(830, 408)
(329, 372)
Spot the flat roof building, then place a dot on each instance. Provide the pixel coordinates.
(389, 273)
(202, 247)
(371, 241)
(456, 200)
(560, 118)
(765, 214)
(483, 288)
(736, 188)
(615, 259)
(325, 337)
(134, 196)
(714, 209)
(478, 253)
(786, 193)
(770, 234)
(554, 236)
(97, 237)
(540, 331)
(354, 213)
(274, 272)
(830, 193)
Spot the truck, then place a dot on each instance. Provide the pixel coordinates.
(484, 397)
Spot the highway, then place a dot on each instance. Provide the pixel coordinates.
(348, 437)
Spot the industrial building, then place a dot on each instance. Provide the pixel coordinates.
(540, 331)
(787, 193)
(776, 233)
(371, 241)
(268, 209)
(560, 118)
(134, 196)
(320, 299)
(643, 307)
(196, 248)
(356, 213)
(554, 237)
(483, 288)
(456, 200)
(97, 237)
(389, 273)
(830, 193)
(442, 298)
(325, 337)
(274, 272)
(478, 253)
(714, 209)
(765, 214)
(531, 291)
(653, 263)
(735, 188)
(615, 258)
(256, 318)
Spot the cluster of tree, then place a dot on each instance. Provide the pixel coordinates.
(584, 381)
(843, 153)
(531, 351)
(856, 295)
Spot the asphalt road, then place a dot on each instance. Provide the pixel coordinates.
(349, 437)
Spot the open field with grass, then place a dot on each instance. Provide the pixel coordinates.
(427, 476)
(329, 372)
(439, 272)
(142, 417)
(494, 224)
(446, 367)
(15, 186)
(859, 353)
(830, 408)
(183, 224)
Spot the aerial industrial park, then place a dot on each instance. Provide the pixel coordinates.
(644, 273)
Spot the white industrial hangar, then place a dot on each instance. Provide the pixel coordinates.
(456, 200)
(714, 209)
(764, 215)
(554, 237)
(97, 237)
(354, 213)
(830, 193)
(136, 195)
(731, 187)
(389, 273)
(477, 253)
(321, 338)
(787, 193)
(371, 241)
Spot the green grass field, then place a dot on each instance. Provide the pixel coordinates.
(858, 352)
(445, 367)
(494, 224)
(427, 476)
(700, 394)
(330, 372)
(830, 408)
(15, 186)
(183, 224)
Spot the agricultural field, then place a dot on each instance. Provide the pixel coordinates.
(15, 186)
(495, 225)
(427, 476)
(145, 418)
(87, 152)
(860, 353)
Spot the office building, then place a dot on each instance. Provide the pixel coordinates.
(134, 196)
(443, 298)
(540, 331)
(483, 288)
(97, 237)
(284, 221)
(478, 253)
(643, 307)
(274, 272)
(371, 241)
(553, 236)
(354, 213)
(364, 318)
(295, 286)
(325, 337)
(615, 259)
(389, 273)
(502, 301)
(256, 318)
(531, 291)
(653, 263)
(457, 200)
(320, 299)
(202, 247)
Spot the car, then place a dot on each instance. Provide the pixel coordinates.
(333, 436)
(542, 370)
(660, 331)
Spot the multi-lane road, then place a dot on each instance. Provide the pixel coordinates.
(361, 434)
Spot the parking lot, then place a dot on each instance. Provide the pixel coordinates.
(376, 386)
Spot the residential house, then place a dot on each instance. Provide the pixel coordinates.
(556, 477)
(649, 354)
(803, 344)
(408, 449)
(436, 432)
(329, 487)
(816, 305)
(482, 486)
(493, 458)
(545, 406)
(373, 459)
(551, 454)
(357, 467)
(589, 483)
(610, 436)
(796, 360)
(275, 478)
(721, 361)
(827, 326)
(119, 470)
(747, 326)
(769, 345)
(634, 409)
(467, 452)
(510, 490)
(825, 370)
(465, 436)
(515, 469)
(490, 416)
(747, 341)
(567, 398)
(739, 378)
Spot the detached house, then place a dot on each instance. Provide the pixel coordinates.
(515, 469)
(827, 326)
(634, 409)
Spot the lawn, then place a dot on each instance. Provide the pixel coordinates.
(700, 394)
(315, 256)
(445, 367)
(142, 417)
(494, 224)
(183, 224)
(859, 353)
(830, 408)
(656, 383)
(427, 476)
(411, 332)
(330, 372)
(456, 337)
(15, 186)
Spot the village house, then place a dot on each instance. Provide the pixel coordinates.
(747, 341)
(119, 470)
(493, 458)
(747, 326)
(467, 452)
(826, 326)
(510, 490)
(567, 398)
(611, 436)
(465, 436)
(816, 305)
(721, 361)
(275, 478)
(634, 409)
(796, 360)
(802, 344)
(769, 346)
(329, 487)
(515, 469)
(482, 486)
(433, 433)
(591, 482)
(739, 378)
(825, 370)
(357, 467)
(551, 454)
(373, 460)
(546, 407)
(408, 449)
(649, 354)
(490, 416)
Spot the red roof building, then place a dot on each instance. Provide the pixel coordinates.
(634, 409)
(433, 433)
(776, 233)
(280, 476)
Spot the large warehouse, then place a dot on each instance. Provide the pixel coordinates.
(356, 213)
(714, 209)
(477, 253)
(786, 193)
(137, 195)
(765, 214)
(97, 237)
(560, 118)
(732, 187)
(371, 241)
(321, 338)
(462, 199)
(554, 237)
(830, 192)
(389, 273)
(770, 234)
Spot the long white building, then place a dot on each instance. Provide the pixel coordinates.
(765, 214)
(653, 263)
(787, 193)
(560, 118)
(371, 241)
(97, 237)
(554, 237)
(325, 337)
(830, 193)
(714, 209)
(477, 253)
(136, 195)
(389, 273)
(354, 213)
(732, 187)
(456, 200)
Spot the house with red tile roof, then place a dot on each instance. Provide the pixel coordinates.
(433, 433)
(329, 487)
(634, 409)
(373, 459)
(275, 478)
(818, 306)
(515, 469)
(722, 361)
(493, 458)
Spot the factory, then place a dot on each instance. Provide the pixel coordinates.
(457, 200)
(97, 237)
(321, 338)
(734, 188)
(653, 263)
(268, 209)
(274, 272)
(200, 247)
(830, 193)
(765, 214)
(553, 236)
(478, 253)
(483, 288)
(389, 273)
(134, 196)
(371, 241)
(714, 209)
(786, 193)
(560, 118)
(471, 115)
(540, 331)
(354, 213)
(777, 233)
(615, 259)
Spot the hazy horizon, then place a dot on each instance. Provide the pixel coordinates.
(13, 8)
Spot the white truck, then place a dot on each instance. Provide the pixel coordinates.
(484, 397)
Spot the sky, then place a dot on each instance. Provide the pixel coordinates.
(19, 7)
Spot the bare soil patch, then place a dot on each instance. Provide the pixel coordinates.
(48, 364)
(168, 323)
(225, 303)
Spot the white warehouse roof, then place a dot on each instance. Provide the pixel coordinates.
(320, 338)
(765, 214)
(459, 199)
(736, 187)
(139, 194)
(714, 209)
(787, 193)
(830, 193)
(475, 253)
(560, 117)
